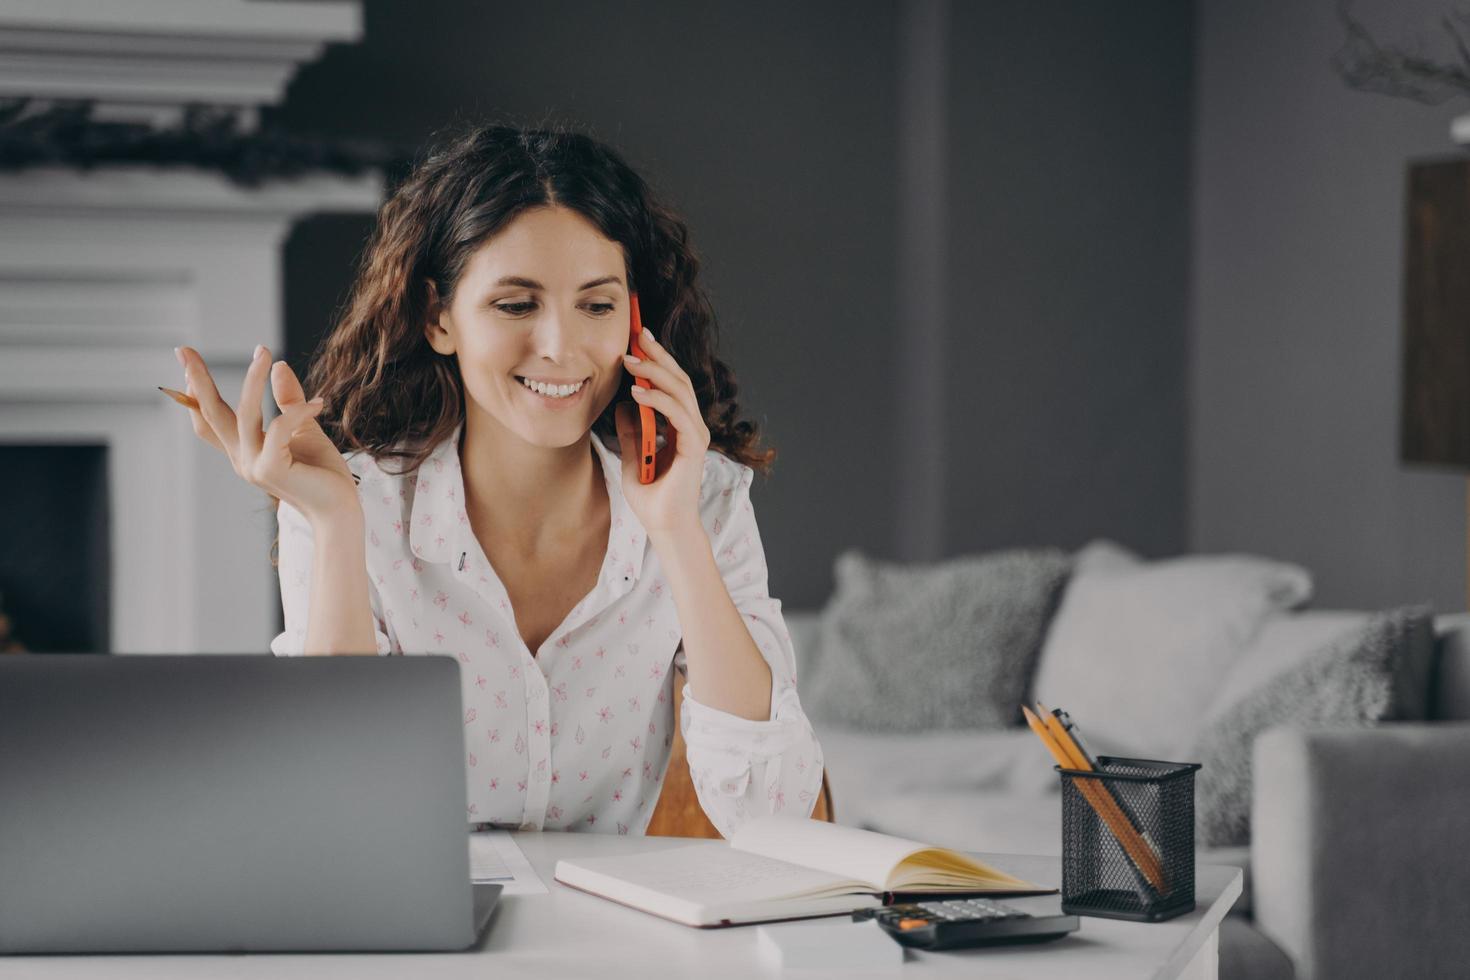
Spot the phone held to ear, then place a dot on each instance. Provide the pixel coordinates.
(647, 430)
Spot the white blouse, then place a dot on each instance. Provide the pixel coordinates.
(576, 736)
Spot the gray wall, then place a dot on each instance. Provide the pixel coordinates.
(1070, 226)
(768, 124)
(1057, 373)
(1295, 336)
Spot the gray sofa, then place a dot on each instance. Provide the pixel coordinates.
(1357, 865)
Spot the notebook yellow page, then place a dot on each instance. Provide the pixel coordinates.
(881, 861)
(779, 868)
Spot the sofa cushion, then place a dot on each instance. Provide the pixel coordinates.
(1368, 673)
(1247, 953)
(978, 820)
(950, 644)
(1138, 649)
(863, 765)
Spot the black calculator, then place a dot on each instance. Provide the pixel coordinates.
(958, 923)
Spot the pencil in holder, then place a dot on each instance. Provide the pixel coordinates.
(1128, 839)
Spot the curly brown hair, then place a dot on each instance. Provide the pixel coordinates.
(390, 395)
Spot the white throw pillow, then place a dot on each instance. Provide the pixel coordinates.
(1137, 651)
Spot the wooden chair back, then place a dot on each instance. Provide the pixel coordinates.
(678, 813)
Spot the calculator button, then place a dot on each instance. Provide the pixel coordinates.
(907, 924)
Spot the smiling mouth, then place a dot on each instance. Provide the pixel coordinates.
(581, 386)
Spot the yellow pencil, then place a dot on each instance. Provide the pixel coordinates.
(1069, 756)
(186, 400)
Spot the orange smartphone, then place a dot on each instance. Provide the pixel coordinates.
(647, 428)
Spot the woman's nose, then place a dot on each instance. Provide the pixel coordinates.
(552, 335)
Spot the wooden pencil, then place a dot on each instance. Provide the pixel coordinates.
(186, 400)
(1096, 794)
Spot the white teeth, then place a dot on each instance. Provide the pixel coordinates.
(555, 391)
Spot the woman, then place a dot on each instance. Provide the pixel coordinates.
(488, 505)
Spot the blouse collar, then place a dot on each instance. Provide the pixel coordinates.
(439, 522)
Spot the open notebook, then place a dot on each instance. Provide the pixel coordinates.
(783, 868)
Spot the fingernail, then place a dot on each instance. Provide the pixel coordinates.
(318, 400)
(259, 350)
(179, 356)
(632, 360)
(648, 334)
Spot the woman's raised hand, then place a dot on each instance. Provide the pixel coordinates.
(293, 459)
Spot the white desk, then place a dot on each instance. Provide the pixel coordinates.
(569, 934)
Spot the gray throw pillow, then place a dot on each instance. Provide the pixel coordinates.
(1364, 676)
(916, 646)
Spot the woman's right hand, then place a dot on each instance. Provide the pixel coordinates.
(293, 459)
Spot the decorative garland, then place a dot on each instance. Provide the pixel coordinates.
(64, 133)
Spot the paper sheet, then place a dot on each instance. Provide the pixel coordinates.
(854, 948)
(495, 857)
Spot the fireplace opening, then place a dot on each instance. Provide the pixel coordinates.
(55, 562)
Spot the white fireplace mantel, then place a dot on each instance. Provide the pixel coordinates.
(142, 60)
(101, 275)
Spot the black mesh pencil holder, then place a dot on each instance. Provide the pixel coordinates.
(1128, 839)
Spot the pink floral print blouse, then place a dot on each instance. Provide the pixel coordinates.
(576, 737)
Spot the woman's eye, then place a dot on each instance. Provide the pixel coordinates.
(600, 309)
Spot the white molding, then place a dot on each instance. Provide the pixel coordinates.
(150, 192)
(336, 20)
(142, 54)
(126, 78)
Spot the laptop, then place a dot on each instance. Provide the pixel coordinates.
(234, 803)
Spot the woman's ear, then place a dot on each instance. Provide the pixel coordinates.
(436, 325)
